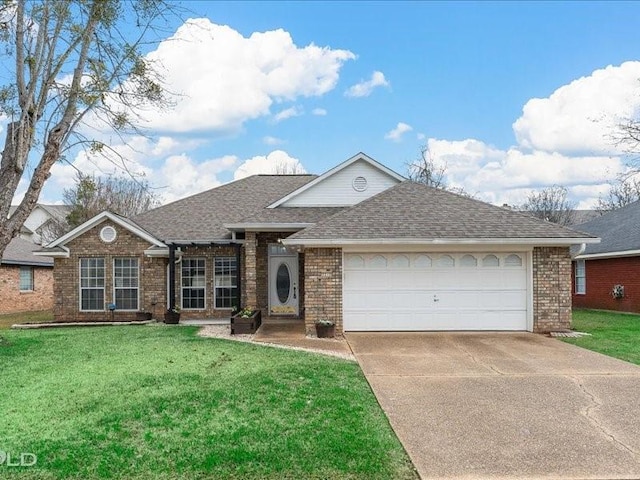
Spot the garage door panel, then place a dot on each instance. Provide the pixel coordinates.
(427, 291)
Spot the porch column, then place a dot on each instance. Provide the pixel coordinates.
(171, 301)
(250, 288)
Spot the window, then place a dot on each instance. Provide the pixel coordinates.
(26, 279)
(490, 261)
(125, 283)
(513, 261)
(193, 283)
(468, 261)
(581, 278)
(92, 284)
(445, 261)
(226, 282)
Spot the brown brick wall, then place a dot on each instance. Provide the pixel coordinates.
(152, 273)
(14, 301)
(323, 287)
(601, 275)
(551, 289)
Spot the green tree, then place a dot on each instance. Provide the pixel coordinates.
(62, 60)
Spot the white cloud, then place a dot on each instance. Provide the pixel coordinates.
(366, 87)
(421, 136)
(395, 135)
(507, 176)
(581, 116)
(321, 112)
(269, 140)
(277, 161)
(290, 112)
(224, 79)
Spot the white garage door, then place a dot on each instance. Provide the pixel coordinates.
(442, 291)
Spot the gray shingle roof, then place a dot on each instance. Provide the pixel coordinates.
(201, 217)
(20, 252)
(414, 211)
(291, 215)
(619, 230)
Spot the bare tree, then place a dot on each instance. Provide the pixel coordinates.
(118, 194)
(550, 204)
(284, 168)
(623, 192)
(65, 59)
(424, 170)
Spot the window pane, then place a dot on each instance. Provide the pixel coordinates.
(26, 279)
(193, 283)
(125, 283)
(226, 282)
(92, 283)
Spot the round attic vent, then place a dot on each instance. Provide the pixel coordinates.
(108, 234)
(359, 184)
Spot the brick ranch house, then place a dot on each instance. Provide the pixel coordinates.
(358, 245)
(26, 281)
(597, 269)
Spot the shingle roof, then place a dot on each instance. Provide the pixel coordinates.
(619, 230)
(20, 252)
(414, 211)
(201, 217)
(291, 215)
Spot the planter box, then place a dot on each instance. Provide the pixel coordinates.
(325, 331)
(250, 324)
(171, 317)
(142, 316)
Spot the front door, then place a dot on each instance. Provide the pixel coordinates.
(283, 281)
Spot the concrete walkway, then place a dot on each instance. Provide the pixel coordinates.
(505, 405)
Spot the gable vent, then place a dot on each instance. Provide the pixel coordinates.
(108, 234)
(359, 184)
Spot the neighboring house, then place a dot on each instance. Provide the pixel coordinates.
(583, 216)
(37, 227)
(358, 245)
(26, 281)
(615, 261)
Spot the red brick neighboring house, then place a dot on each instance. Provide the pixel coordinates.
(358, 245)
(26, 281)
(607, 275)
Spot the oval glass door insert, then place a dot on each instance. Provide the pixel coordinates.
(283, 283)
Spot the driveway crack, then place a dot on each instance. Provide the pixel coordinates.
(476, 361)
(587, 413)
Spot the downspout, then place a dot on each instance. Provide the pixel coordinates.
(580, 251)
(172, 277)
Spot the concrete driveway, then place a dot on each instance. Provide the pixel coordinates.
(505, 405)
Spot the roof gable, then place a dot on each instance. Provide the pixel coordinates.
(415, 213)
(349, 183)
(101, 217)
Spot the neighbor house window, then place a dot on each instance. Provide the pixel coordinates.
(125, 283)
(26, 279)
(193, 283)
(581, 278)
(92, 284)
(226, 282)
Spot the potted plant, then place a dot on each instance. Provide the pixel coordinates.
(247, 320)
(172, 316)
(325, 329)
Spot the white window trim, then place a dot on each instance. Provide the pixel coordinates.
(584, 277)
(113, 279)
(33, 282)
(182, 288)
(215, 297)
(80, 287)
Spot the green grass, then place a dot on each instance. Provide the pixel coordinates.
(27, 317)
(158, 402)
(614, 334)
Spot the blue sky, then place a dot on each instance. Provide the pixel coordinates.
(455, 76)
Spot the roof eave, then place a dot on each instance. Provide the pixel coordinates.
(604, 255)
(323, 242)
(63, 252)
(27, 263)
(266, 227)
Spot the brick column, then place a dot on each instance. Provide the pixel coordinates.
(250, 290)
(551, 289)
(323, 287)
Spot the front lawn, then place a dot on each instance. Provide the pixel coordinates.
(27, 317)
(614, 334)
(158, 402)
